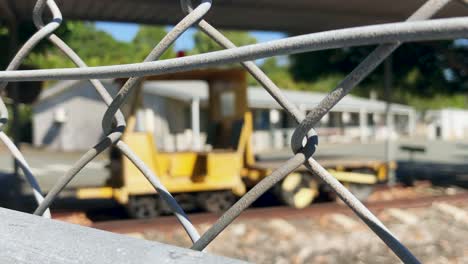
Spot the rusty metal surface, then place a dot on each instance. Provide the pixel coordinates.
(297, 16)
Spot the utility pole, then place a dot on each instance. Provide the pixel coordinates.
(13, 47)
(389, 144)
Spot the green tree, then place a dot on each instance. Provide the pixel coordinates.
(97, 47)
(94, 46)
(145, 40)
(25, 30)
(420, 69)
(279, 74)
(204, 43)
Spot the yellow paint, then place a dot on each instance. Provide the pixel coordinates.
(245, 147)
(121, 195)
(382, 173)
(291, 182)
(240, 189)
(191, 171)
(354, 177)
(95, 193)
(255, 174)
(220, 169)
(183, 164)
(304, 197)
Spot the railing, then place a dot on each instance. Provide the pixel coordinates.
(304, 139)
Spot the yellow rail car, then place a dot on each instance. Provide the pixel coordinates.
(214, 179)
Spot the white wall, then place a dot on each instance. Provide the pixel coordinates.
(171, 122)
(453, 124)
(81, 128)
(171, 125)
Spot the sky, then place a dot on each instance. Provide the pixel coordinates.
(127, 31)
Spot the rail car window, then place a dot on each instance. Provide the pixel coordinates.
(228, 104)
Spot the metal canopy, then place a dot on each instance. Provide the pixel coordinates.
(258, 97)
(296, 16)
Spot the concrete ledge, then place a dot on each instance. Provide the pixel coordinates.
(26, 238)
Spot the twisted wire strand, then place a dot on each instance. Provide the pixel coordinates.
(14, 64)
(61, 183)
(23, 164)
(437, 29)
(112, 138)
(130, 85)
(155, 54)
(250, 66)
(367, 66)
(355, 77)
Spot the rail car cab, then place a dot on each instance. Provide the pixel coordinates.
(215, 174)
(210, 175)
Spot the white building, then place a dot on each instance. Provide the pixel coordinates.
(68, 116)
(353, 118)
(447, 124)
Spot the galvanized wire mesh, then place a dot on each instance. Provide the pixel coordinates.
(304, 140)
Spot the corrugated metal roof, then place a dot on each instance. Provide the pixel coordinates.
(184, 91)
(297, 16)
(259, 97)
(63, 86)
(57, 88)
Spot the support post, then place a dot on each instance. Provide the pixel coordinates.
(389, 156)
(411, 123)
(363, 125)
(13, 45)
(196, 142)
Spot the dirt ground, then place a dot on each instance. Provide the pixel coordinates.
(437, 234)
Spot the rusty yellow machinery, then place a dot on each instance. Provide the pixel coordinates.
(213, 179)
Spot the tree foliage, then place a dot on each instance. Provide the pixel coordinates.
(424, 69)
(145, 40)
(428, 70)
(97, 47)
(25, 31)
(204, 43)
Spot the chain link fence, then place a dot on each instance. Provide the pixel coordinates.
(304, 141)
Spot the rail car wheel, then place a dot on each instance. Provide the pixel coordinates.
(216, 202)
(298, 190)
(143, 207)
(361, 191)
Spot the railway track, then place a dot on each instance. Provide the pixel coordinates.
(169, 223)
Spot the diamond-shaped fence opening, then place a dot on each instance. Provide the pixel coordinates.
(389, 36)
